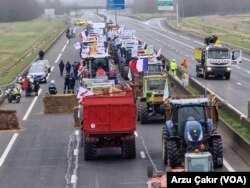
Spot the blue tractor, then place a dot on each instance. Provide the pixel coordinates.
(191, 125)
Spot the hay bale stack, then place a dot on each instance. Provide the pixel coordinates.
(61, 103)
(8, 120)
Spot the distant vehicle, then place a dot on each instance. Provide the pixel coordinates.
(46, 63)
(38, 73)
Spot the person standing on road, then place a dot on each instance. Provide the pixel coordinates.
(66, 84)
(61, 67)
(184, 65)
(71, 83)
(68, 67)
(173, 67)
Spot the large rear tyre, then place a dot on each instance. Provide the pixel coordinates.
(143, 112)
(227, 76)
(164, 146)
(217, 152)
(172, 149)
(129, 149)
(90, 151)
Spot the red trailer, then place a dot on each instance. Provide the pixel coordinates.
(109, 121)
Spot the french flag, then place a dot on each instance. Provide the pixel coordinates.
(145, 64)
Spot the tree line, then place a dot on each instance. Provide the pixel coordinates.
(24, 10)
(189, 8)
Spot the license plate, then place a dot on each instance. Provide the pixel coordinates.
(158, 99)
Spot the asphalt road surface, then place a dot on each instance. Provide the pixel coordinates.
(46, 153)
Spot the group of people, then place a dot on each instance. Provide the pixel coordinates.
(173, 66)
(71, 74)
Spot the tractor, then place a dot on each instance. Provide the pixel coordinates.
(191, 125)
(149, 96)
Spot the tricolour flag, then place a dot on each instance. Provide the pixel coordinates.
(166, 91)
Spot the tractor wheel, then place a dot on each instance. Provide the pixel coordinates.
(217, 152)
(18, 99)
(129, 149)
(143, 112)
(90, 151)
(138, 110)
(164, 146)
(124, 73)
(173, 153)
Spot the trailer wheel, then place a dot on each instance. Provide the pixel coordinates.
(217, 152)
(124, 73)
(173, 153)
(129, 149)
(164, 146)
(90, 151)
(143, 112)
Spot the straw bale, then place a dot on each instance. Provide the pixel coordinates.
(61, 103)
(8, 120)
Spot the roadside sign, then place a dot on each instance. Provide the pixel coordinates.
(49, 13)
(165, 5)
(115, 4)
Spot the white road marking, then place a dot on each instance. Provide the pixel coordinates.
(248, 72)
(76, 152)
(67, 42)
(58, 57)
(239, 84)
(6, 151)
(52, 68)
(31, 106)
(184, 44)
(198, 42)
(73, 178)
(136, 134)
(228, 166)
(63, 48)
(143, 154)
(184, 37)
(245, 59)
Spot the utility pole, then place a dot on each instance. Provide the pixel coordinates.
(116, 17)
(177, 15)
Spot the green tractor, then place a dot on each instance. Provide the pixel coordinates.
(149, 96)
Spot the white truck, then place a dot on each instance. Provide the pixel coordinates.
(215, 60)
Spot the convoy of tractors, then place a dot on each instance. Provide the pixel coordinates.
(140, 89)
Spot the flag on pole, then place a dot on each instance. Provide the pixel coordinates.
(77, 46)
(166, 91)
(158, 53)
(139, 65)
(145, 64)
(83, 92)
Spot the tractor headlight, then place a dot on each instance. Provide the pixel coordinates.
(92, 125)
(228, 68)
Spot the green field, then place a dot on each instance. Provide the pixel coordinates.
(21, 42)
(230, 29)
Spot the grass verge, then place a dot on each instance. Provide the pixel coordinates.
(234, 124)
(21, 44)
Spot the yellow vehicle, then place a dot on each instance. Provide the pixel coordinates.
(81, 22)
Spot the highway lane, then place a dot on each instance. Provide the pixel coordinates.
(177, 46)
(40, 156)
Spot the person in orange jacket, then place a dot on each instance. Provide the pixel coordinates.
(184, 65)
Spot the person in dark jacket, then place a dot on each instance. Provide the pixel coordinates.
(61, 67)
(68, 67)
(66, 84)
(41, 54)
(71, 83)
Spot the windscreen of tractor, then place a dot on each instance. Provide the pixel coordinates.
(190, 113)
(156, 84)
(99, 63)
(218, 54)
(154, 68)
(199, 165)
